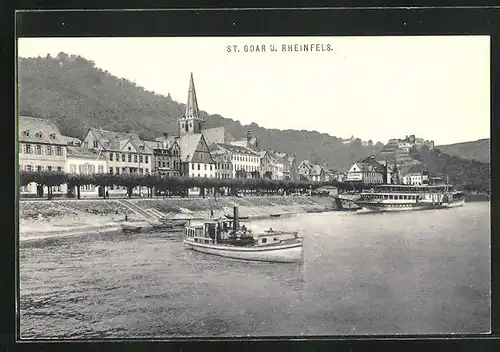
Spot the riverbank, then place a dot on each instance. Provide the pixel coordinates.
(39, 219)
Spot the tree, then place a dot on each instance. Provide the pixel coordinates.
(268, 175)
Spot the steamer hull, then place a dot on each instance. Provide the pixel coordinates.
(286, 253)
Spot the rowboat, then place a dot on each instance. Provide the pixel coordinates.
(231, 217)
(275, 215)
(226, 238)
(131, 228)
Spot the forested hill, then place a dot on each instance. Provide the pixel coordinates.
(464, 173)
(477, 150)
(76, 95)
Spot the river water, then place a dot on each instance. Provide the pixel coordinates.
(422, 272)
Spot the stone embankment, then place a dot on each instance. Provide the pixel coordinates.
(46, 219)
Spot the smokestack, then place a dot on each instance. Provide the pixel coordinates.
(236, 219)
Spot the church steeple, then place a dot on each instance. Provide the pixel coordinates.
(191, 122)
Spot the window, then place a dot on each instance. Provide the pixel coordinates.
(140, 159)
(264, 240)
(28, 167)
(130, 157)
(58, 151)
(192, 175)
(48, 150)
(198, 174)
(38, 168)
(52, 136)
(26, 133)
(140, 171)
(100, 169)
(38, 149)
(59, 168)
(147, 170)
(111, 170)
(72, 168)
(111, 157)
(146, 159)
(129, 148)
(96, 144)
(123, 157)
(117, 171)
(205, 167)
(135, 158)
(168, 164)
(198, 166)
(86, 144)
(28, 148)
(124, 170)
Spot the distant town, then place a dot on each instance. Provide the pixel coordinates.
(196, 152)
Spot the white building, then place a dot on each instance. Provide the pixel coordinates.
(41, 148)
(83, 161)
(124, 152)
(242, 159)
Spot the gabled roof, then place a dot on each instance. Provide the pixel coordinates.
(36, 130)
(245, 142)
(237, 149)
(188, 145)
(316, 170)
(116, 141)
(365, 164)
(72, 140)
(84, 153)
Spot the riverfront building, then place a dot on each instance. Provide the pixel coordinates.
(84, 161)
(125, 152)
(166, 156)
(41, 148)
(368, 171)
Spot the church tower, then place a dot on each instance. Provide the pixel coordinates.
(191, 122)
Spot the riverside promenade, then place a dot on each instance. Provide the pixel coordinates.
(40, 219)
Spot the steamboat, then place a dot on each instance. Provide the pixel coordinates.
(392, 197)
(225, 238)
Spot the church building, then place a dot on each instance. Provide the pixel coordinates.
(196, 160)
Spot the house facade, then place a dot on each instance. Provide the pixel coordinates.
(125, 153)
(84, 161)
(304, 169)
(368, 171)
(223, 164)
(41, 148)
(166, 156)
(245, 161)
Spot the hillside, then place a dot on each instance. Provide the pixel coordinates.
(464, 173)
(477, 150)
(76, 95)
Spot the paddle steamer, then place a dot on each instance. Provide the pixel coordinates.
(391, 197)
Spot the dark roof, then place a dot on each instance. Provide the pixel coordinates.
(237, 149)
(84, 153)
(36, 130)
(370, 161)
(116, 141)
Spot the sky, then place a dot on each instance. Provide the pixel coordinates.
(436, 87)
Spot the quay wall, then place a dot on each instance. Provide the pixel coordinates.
(34, 210)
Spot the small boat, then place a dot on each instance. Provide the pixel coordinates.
(275, 215)
(231, 217)
(131, 228)
(226, 238)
